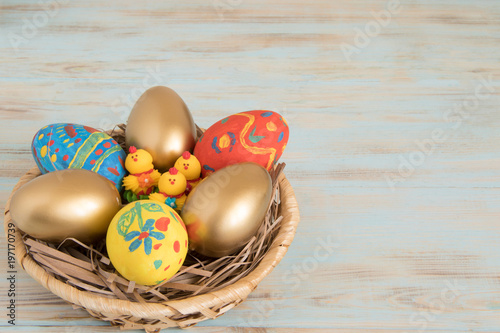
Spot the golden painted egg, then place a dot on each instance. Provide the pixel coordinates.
(161, 123)
(74, 203)
(227, 208)
(147, 242)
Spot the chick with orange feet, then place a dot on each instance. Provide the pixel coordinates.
(190, 167)
(143, 177)
(172, 187)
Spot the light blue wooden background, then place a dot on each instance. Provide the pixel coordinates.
(415, 233)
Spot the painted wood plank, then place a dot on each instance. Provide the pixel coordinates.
(413, 221)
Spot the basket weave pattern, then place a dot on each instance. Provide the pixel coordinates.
(172, 313)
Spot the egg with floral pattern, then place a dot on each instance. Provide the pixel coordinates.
(258, 136)
(147, 242)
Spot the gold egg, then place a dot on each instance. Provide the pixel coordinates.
(227, 208)
(74, 203)
(161, 123)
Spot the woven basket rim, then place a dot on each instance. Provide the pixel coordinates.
(204, 303)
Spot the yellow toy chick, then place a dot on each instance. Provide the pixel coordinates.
(190, 167)
(143, 177)
(172, 186)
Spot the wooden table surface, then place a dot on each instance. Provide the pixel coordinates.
(394, 152)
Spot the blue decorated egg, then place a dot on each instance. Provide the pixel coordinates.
(72, 146)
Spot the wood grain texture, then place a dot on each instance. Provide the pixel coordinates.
(412, 223)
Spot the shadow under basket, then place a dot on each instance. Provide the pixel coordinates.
(204, 288)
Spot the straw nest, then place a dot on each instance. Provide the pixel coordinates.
(204, 288)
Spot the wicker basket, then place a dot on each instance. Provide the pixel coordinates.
(173, 313)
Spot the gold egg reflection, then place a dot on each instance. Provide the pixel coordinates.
(74, 203)
(161, 123)
(227, 208)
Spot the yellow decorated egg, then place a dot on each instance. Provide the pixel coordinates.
(147, 242)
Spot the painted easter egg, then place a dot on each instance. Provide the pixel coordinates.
(72, 146)
(258, 136)
(72, 203)
(147, 242)
(161, 123)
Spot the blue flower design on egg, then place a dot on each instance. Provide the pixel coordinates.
(145, 234)
(171, 202)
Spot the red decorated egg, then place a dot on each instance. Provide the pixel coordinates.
(258, 136)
